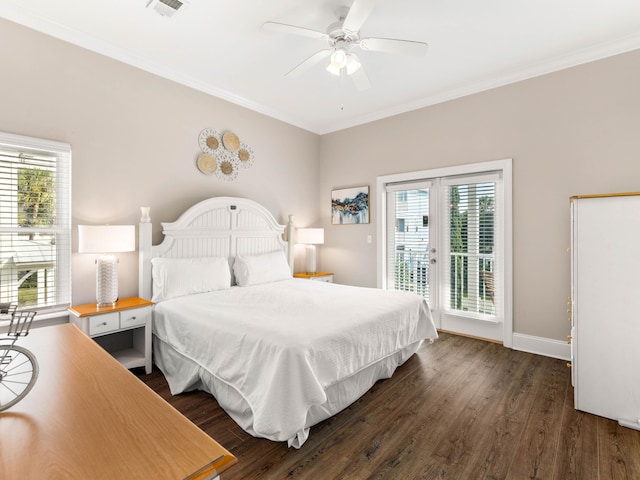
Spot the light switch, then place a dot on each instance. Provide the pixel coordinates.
(369, 239)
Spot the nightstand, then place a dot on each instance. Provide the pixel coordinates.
(318, 276)
(123, 330)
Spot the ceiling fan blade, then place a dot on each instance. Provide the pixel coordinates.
(360, 79)
(407, 47)
(308, 63)
(358, 14)
(294, 30)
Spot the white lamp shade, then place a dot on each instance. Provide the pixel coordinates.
(310, 236)
(106, 238)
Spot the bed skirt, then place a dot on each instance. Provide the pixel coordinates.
(183, 375)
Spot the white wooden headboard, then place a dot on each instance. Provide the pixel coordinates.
(216, 227)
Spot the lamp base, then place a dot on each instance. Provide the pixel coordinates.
(106, 280)
(105, 305)
(311, 259)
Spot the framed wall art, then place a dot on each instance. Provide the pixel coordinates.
(350, 205)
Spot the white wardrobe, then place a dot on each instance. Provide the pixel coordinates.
(605, 305)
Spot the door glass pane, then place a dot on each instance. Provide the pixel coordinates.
(471, 247)
(411, 242)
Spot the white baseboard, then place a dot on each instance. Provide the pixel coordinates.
(542, 346)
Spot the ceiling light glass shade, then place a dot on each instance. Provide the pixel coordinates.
(353, 64)
(339, 58)
(333, 70)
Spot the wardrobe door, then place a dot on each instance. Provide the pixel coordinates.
(606, 306)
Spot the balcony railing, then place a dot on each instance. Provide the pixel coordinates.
(471, 283)
(470, 280)
(412, 272)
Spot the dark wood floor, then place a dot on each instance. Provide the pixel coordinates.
(459, 409)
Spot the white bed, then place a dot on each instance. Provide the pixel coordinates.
(279, 354)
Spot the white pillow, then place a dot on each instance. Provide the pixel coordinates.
(257, 269)
(175, 277)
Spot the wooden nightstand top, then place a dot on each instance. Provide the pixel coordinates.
(312, 275)
(123, 304)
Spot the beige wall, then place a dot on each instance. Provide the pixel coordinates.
(571, 132)
(134, 139)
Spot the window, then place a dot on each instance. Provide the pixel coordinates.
(35, 225)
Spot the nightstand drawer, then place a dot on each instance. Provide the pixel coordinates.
(324, 278)
(133, 318)
(104, 323)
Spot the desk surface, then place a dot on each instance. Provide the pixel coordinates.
(88, 417)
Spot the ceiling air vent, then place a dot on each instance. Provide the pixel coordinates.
(166, 8)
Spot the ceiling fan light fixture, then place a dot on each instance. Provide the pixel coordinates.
(344, 36)
(339, 58)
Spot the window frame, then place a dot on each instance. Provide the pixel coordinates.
(17, 144)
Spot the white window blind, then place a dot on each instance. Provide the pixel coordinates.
(35, 225)
(471, 286)
(408, 258)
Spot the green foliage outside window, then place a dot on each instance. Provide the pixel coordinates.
(36, 198)
(457, 238)
(28, 288)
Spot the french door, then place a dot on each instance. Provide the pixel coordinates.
(444, 240)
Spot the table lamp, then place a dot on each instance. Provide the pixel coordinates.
(310, 237)
(106, 240)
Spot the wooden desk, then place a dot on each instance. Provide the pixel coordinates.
(88, 417)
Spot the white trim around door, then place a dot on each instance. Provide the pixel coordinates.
(504, 168)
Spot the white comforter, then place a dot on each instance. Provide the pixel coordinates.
(281, 344)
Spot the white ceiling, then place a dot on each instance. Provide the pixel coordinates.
(219, 47)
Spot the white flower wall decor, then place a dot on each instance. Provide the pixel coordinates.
(223, 154)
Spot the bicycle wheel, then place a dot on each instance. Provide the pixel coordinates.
(18, 374)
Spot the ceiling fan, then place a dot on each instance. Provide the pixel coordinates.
(343, 36)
